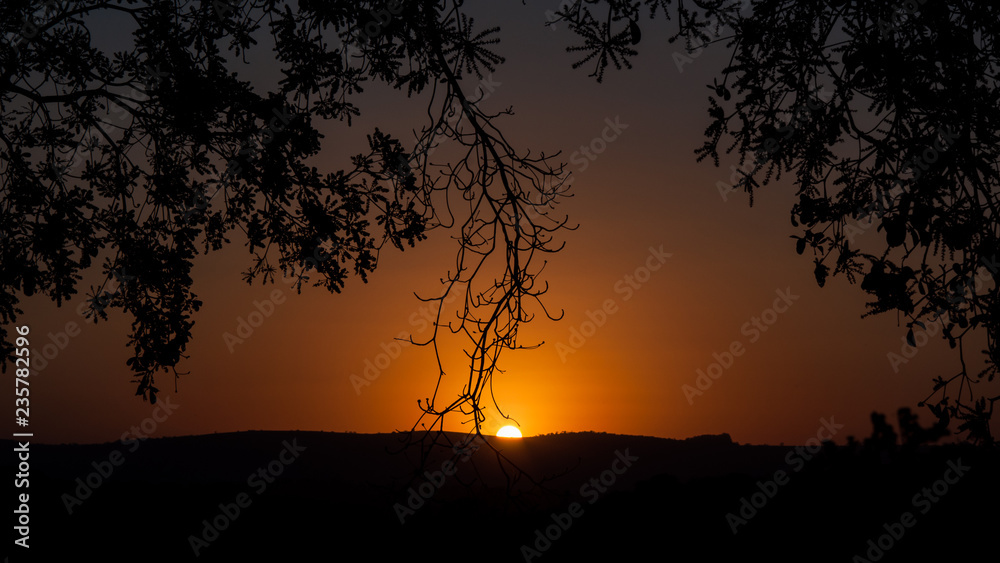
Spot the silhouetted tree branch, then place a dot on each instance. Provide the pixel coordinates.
(507, 228)
(884, 115)
(147, 157)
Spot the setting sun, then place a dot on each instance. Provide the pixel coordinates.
(509, 432)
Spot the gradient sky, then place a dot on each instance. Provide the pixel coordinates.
(727, 262)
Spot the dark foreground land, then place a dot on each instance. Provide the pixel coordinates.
(313, 496)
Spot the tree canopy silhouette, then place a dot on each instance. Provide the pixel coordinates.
(884, 115)
(152, 152)
(146, 154)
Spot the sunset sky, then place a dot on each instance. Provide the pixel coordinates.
(715, 268)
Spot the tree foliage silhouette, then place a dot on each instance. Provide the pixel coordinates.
(151, 154)
(884, 115)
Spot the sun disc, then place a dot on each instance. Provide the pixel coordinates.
(509, 432)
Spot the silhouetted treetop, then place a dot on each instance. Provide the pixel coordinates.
(161, 146)
(886, 117)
